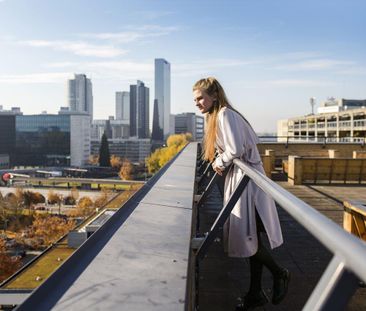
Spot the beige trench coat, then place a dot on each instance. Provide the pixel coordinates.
(236, 139)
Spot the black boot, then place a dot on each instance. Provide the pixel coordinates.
(251, 301)
(280, 285)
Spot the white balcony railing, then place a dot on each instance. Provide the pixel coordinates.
(359, 123)
(345, 124)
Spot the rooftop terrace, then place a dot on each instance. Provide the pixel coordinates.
(141, 259)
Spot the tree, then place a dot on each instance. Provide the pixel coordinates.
(84, 208)
(50, 228)
(102, 198)
(104, 157)
(8, 264)
(93, 159)
(116, 162)
(54, 198)
(161, 156)
(125, 172)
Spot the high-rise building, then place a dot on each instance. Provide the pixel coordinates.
(162, 99)
(139, 110)
(80, 95)
(123, 106)
(189, 122)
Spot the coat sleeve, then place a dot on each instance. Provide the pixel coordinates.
(230, 126)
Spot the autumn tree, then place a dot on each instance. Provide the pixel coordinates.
(74, 193)
(102, 199)
(84, 208)
(93, 159)
(50, 228)
(125, 173)
(161, 156)
(104, 156)
(116, 162)
(8, 264)
(53, 198)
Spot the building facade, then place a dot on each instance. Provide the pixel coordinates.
(189, 122)
(123, 106)
(162, 100)
(46, 140)
(341, 120)
(80, 95)
(139, 110)
(114, 129)
(134, 149)
(4, 161)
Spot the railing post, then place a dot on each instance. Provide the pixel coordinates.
(222, 217)
(335, 288)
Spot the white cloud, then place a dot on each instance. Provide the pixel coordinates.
(315, 64)
(133, 33)
(298, 83)
(35, 78)
(78, 48)
(208, 66)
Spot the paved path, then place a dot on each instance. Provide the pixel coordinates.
(222, 279)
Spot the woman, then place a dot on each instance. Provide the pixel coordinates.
(228, 132)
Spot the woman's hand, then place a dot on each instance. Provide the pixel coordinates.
(218, 171)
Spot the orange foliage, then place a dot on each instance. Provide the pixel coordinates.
(50, 228)
(8, 264)
(116, 162)
(126, 170)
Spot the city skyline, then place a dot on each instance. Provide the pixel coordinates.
(270, 57)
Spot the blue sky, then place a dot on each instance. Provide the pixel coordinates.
(271, 56)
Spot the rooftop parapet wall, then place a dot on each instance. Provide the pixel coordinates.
(139, 259)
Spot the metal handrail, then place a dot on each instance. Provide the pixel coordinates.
(351, 249)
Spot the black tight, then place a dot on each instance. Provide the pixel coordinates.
(261, 258)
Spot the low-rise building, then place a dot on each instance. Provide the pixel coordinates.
(134, 149)
(189, 122)
(337, 120)
(45, 139)
(114, 129)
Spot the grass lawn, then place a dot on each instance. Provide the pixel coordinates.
(43, 268)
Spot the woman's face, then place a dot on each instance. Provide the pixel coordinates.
(204, 102)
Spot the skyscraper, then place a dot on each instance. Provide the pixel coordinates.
(139, 110)
(123, 106)
(80, 94)
(162, 98)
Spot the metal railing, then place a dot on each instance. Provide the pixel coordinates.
(341, 278)
(312, 139)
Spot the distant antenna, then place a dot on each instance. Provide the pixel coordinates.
(312, 103)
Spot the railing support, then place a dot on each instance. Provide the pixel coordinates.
(221, 218)
(335, 288)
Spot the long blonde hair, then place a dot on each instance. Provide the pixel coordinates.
(213, 88)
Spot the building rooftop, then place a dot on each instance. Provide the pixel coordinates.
(141, 258)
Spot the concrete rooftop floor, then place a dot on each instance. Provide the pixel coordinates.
(223, 279)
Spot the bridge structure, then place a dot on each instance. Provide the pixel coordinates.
(163, 251)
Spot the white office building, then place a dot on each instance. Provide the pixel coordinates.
(337, 120)
(162, 100)
(123, 106)
(80, 95)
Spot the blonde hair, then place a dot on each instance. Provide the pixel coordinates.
(213, 88)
